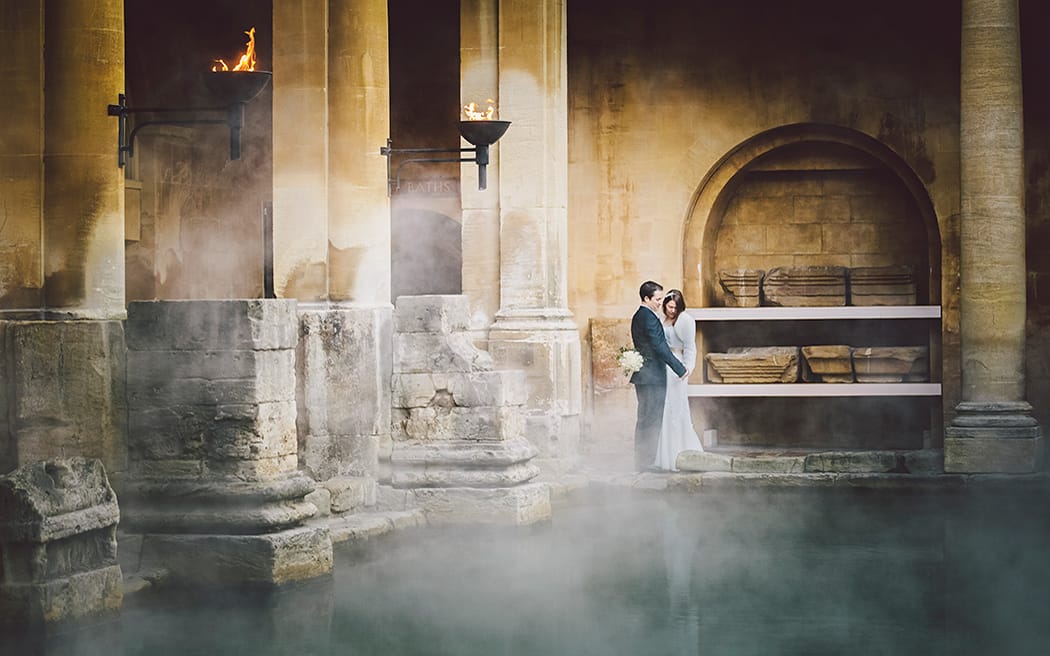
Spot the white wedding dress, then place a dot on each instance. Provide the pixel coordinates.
(676, 432)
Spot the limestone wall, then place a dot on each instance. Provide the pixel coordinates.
(658, 99)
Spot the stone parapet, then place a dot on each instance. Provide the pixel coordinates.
(58, 545)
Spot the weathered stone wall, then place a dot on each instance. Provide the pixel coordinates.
(658, 99)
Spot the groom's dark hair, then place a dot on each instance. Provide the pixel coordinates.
(648, 289)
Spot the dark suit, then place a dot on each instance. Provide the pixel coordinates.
(650, 382)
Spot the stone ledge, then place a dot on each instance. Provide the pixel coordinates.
(367, 526)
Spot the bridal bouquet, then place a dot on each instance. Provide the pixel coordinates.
(629, 360)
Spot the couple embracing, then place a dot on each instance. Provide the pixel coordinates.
(665, 336)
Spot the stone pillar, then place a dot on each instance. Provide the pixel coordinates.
(62, 378)
(479, 81)
(359, 123)
(22, 155)
(300, 149)
(993, 430)
(58, 544)
(332, 225)
(212, 441)
(458, 443)
(534, 329)
(83, 186)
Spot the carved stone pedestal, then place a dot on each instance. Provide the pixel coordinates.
(213, 483)
(458, 425)
(58, 545)
(993, 437)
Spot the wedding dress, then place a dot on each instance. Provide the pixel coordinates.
(677, 433)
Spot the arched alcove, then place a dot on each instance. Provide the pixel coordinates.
(426, 253)
(809, 194)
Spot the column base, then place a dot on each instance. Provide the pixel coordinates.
(510, 506)
(61, 599)
(268, 560)
(993, 437)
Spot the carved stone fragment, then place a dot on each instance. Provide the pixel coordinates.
(765, 364)
(827, 364)
(891, 364)
(888, 285)
(742, 286)
(805, 286)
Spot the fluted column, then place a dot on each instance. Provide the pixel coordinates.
(534, 329)
(83, 186)
(993, 430)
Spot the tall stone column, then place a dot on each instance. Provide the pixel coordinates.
(993, 430)
(83, 186)
(62, 360)
(534, 329)
(332, 225)
(479, 81)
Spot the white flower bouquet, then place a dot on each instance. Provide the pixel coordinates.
(630, 361)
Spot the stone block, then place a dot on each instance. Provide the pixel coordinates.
(770, 364)
(890, 364)
(742, 287)
(488, 388)
(430, 352)
(322, 500)
(167, 378)
(852, 462)
(925, 462)
(58, 547)
(431, 314)
(416, 390)
(484, 424)
(266, 560)
(827, 364)
(805, 286)
(702, 461)
(769, 464)
(993, 455)
(64, 389)
(351, 493)
(238, 324)
(513, 506)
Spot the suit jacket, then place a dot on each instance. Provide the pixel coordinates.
(647, 332)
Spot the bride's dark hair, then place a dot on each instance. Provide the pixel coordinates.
(679, 301)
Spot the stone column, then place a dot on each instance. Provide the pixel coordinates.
(62, 371)
(332, 226)
(534, 329)
(993, 430)
(479, 81)
(83, 186)
(300, 149)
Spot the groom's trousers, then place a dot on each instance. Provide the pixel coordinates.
(647, 428)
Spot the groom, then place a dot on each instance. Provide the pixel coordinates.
(650, 382)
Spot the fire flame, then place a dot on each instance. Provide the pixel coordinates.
(473, 113)
(247, 61)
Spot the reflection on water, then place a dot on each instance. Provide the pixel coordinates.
(789, 573)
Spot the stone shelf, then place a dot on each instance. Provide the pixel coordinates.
(821, 312)
(711, 390)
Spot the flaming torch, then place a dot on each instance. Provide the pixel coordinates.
(481, 130)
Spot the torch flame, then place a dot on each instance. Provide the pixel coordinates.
(247, 60)
(473, 113)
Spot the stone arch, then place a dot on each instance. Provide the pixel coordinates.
(718, 188)
(426, 253)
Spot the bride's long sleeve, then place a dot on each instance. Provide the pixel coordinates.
(685, 327)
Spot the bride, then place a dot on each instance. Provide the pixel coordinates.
(677, 433)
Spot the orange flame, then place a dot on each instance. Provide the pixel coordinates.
(474, 113)
(247, 61)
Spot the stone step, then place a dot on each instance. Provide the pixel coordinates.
(851, 462)
(361, 527)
